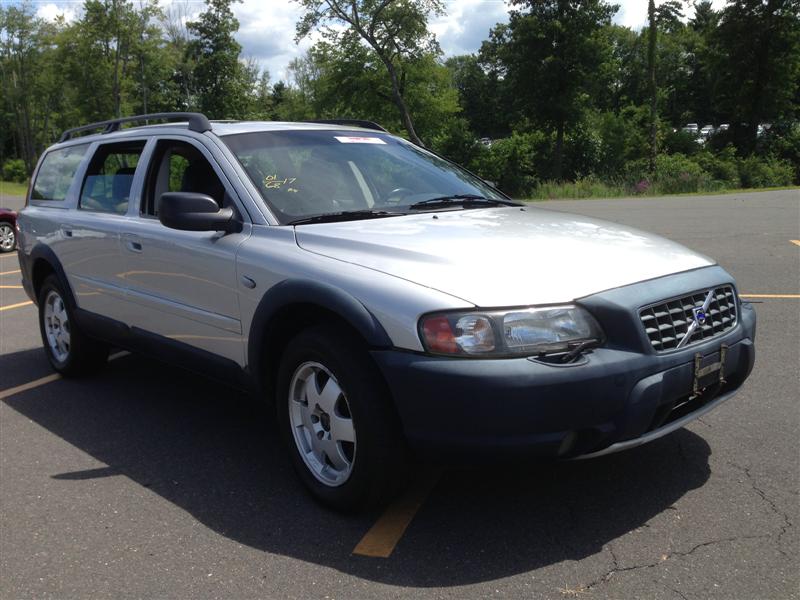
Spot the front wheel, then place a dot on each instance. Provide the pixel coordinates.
(69, 350)
(8, 238)
(337, 420)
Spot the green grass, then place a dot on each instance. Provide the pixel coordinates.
(10, 188)
(580, 190)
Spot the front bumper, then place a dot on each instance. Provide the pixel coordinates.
(618, 396)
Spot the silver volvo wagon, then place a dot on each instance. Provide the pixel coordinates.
(389, 303)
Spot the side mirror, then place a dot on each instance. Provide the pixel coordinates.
(189, 211)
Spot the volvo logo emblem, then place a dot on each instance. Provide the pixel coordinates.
(699, 315)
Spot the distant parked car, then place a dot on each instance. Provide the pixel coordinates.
(723, 127)
(707, 131)
(486, 141)
(8, 230)
(692, 128)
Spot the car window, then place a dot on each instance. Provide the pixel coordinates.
(56, 173)
(108, 180)
(180, 167)
(305, 173)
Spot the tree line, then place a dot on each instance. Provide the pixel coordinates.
(557, 93)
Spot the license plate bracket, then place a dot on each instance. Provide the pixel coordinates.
(709, 373)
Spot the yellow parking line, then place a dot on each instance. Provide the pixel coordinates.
(795, 242)
(792, 296)
(9, 272)
(383, 536)
(10, 287)
(29, 386)
(18, 305)
(7, 393)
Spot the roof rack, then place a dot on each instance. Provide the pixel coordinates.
(353, 122)
(197, 122)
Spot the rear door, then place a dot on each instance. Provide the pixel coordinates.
(91, 253)
(183, 284)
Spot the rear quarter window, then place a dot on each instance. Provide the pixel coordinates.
(57, 172)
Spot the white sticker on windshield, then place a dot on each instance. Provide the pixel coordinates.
(349, 139)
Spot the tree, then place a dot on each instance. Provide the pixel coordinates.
(223, 85)
(757, 54)
(652, 38)
(483, 102)
(551, 51)
(395, 30)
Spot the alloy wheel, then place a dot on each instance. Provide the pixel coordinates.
(7, 237)
(322, 424)
(56, 324)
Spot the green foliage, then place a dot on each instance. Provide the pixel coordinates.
(756, 52)
(681, 142)
(395, 30)
(755, 172)
(14, 170)
(587, 187)
(548, 54)
(458, 142)
(222, 81)
(675, 174)
(563, 92)
(722, 167)
(513, 163)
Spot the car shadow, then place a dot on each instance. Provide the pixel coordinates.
(203, 447)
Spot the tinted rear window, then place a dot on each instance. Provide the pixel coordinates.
(56, 173)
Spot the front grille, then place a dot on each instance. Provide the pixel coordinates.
(667, 323)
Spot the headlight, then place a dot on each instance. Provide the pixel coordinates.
(520, 332)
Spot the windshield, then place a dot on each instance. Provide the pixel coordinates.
(308, 173)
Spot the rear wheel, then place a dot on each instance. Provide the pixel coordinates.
(8, 238)
(336, 418)
(68, 349)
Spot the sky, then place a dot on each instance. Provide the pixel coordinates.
(266, 27)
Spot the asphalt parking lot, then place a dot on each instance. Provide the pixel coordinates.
(147, 482)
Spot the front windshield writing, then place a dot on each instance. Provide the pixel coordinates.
(307, 173)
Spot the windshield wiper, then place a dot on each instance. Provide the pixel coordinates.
(466, 200)
(347, 215)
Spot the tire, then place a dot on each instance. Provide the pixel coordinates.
(69, 350)
(336, 418)
(8, 238)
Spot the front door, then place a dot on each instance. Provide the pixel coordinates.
(182, 284)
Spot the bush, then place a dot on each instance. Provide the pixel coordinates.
(755, 172)
(675, 174)
(14, 170)
(722, 167)
(623, 137)
(511, 162)
(681, 142)
(457, 142)
(582, 151)
(783, 142)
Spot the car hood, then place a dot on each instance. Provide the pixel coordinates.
(505, 256)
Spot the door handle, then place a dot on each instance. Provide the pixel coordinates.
(132, 242)
(67, 232)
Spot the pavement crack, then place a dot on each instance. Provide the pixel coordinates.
(617, 567)
(680, 593)
(700, 420)
(773, 506)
